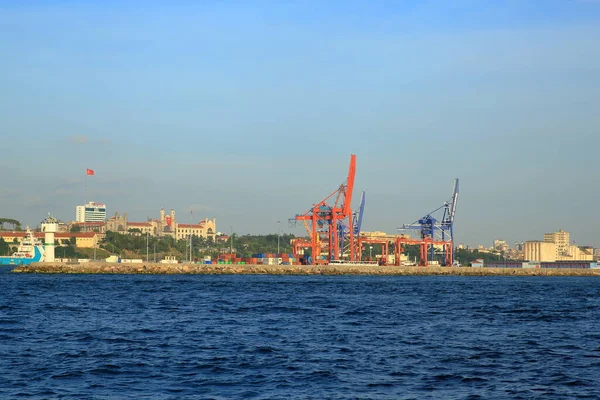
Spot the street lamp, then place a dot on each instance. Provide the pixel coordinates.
(147, 258)
(370, 251)
(278, 230)
(231, 241)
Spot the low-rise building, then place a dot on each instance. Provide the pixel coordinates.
(82, 239)
(143, 227)
(478, 263)
(98, 227)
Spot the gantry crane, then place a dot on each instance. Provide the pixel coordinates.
(326, 219)
(344, 229)
(437, 232)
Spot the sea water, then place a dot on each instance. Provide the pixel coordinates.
(305, 337)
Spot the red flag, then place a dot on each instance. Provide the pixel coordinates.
(89, 171)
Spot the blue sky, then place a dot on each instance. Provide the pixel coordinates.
(248, 111)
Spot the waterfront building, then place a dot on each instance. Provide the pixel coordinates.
(565, 251)
(91, 212)
(558, 243)
(536, 250)
(575, 253)
(478, 263)
(562, 241)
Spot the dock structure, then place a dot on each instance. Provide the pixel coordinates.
(249, 269)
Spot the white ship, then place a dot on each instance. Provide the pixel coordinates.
(30, 250)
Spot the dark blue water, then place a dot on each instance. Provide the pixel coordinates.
(274, 337)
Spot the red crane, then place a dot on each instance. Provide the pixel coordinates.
(324, 222)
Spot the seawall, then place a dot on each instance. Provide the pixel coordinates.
(215, 269)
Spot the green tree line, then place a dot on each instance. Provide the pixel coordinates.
(12, 224)
(465, 257)
(135, 244)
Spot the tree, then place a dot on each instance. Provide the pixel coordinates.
(75, 228)
(465, 257)
(4, 247)
(16, 225)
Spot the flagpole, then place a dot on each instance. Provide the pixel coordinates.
(84, 197)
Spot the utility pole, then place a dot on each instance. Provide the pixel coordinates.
(191, 221)
(147, 257)
(231, 240)
(154, 251)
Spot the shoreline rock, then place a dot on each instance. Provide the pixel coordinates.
(241, 269)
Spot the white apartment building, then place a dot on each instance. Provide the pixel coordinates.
(91, 212)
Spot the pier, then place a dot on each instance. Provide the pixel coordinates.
(238, 269)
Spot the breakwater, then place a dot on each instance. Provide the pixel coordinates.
(214, 269)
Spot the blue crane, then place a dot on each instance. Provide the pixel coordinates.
(438, 229)
(357, 218)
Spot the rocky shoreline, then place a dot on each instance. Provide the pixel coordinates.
(238, 269)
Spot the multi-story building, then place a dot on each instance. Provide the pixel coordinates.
(559, 242)
(91, 212)
(562, 241)
(500, 245)
(165, 225)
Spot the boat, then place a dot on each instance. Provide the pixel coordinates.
(31, 249)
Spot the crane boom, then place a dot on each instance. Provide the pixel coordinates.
(454, 200)
(349, 186)
(359, 217)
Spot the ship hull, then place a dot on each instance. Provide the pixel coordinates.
(8, 260)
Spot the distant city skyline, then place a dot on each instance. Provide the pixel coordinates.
(248, 112)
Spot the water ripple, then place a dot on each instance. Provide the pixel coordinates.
(272, 337)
